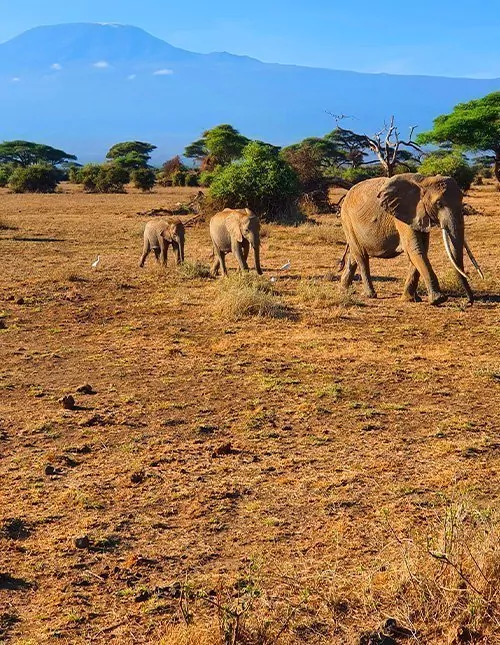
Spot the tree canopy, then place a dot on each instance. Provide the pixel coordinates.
(473, 126)
(222, 144)
(28, 153)
(131, 154)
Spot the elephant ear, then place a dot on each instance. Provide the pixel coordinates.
(402, 198)
(233, 227)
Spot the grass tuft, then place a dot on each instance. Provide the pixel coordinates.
(194, 270)
(240, 296)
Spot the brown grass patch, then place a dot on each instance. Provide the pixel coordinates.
(350, 431)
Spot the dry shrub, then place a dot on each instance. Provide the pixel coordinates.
(194, 270)
(446, 583)
(242, 295)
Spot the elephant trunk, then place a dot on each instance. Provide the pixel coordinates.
(452, 228)
(255, 244)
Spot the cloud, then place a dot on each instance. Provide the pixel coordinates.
(15, 79)
(56, 66)
(131, 77)
(163, 72)
(102, 64)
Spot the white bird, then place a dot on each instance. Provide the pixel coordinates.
(286, 266)
(95, 263)
(273, 278)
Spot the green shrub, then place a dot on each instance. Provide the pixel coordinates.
(262, 181)
(6, 171)
(144, 179)
(450, 164)
(355, 175)
(105, 178)
(192, 179)
(178, 178)
(207, 177)
(38, 178)
(74, 174)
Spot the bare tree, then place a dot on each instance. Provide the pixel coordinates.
(386, 145)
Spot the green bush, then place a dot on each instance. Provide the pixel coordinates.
(450, 164)
(6, 171)
(192, 179)
(262, 181)
(105, 178)
(355, 175)
(207, 177)
(178, 178)
(144, 179)
(38, 178)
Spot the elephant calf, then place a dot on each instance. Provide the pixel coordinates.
(158, 235)
(235, 230)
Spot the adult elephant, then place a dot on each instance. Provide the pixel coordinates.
(159, 235)
(235, 230)
(384, 217)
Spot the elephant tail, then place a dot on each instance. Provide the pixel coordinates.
(341, 264)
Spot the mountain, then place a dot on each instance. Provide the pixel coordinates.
(83, 87)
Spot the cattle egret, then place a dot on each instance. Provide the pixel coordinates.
(272, 278)
(286, 266)
(95, 263)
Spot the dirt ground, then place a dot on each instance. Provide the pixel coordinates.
(287, 480)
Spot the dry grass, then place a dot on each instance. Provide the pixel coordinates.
(194, 270)
(295, 473)
(242, 295)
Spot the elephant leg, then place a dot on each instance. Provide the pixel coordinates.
(363, 262)
(348, 273)
(415, 247)
(237, 249)
(411, 285)
(177, 251)
(145, 252)
(163, 252)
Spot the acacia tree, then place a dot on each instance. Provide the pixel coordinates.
(352, 147)
(220, 145)
(28, 153)
(131, 155)
(472, 126)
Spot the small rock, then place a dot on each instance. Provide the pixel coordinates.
(20, 301)
(85, 389)
(82, 542)
(50, 470)
(138, 477)
(3, 324)
(68, 402)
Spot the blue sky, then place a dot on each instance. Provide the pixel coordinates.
(437, 37)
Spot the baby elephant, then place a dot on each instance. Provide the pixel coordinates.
(235, 230)
(158, 235)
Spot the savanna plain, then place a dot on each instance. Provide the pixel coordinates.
(258, 461)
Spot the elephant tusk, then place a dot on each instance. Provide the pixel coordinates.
(448, 251)
(473, 259)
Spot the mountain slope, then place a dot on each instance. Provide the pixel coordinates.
(85, 86)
